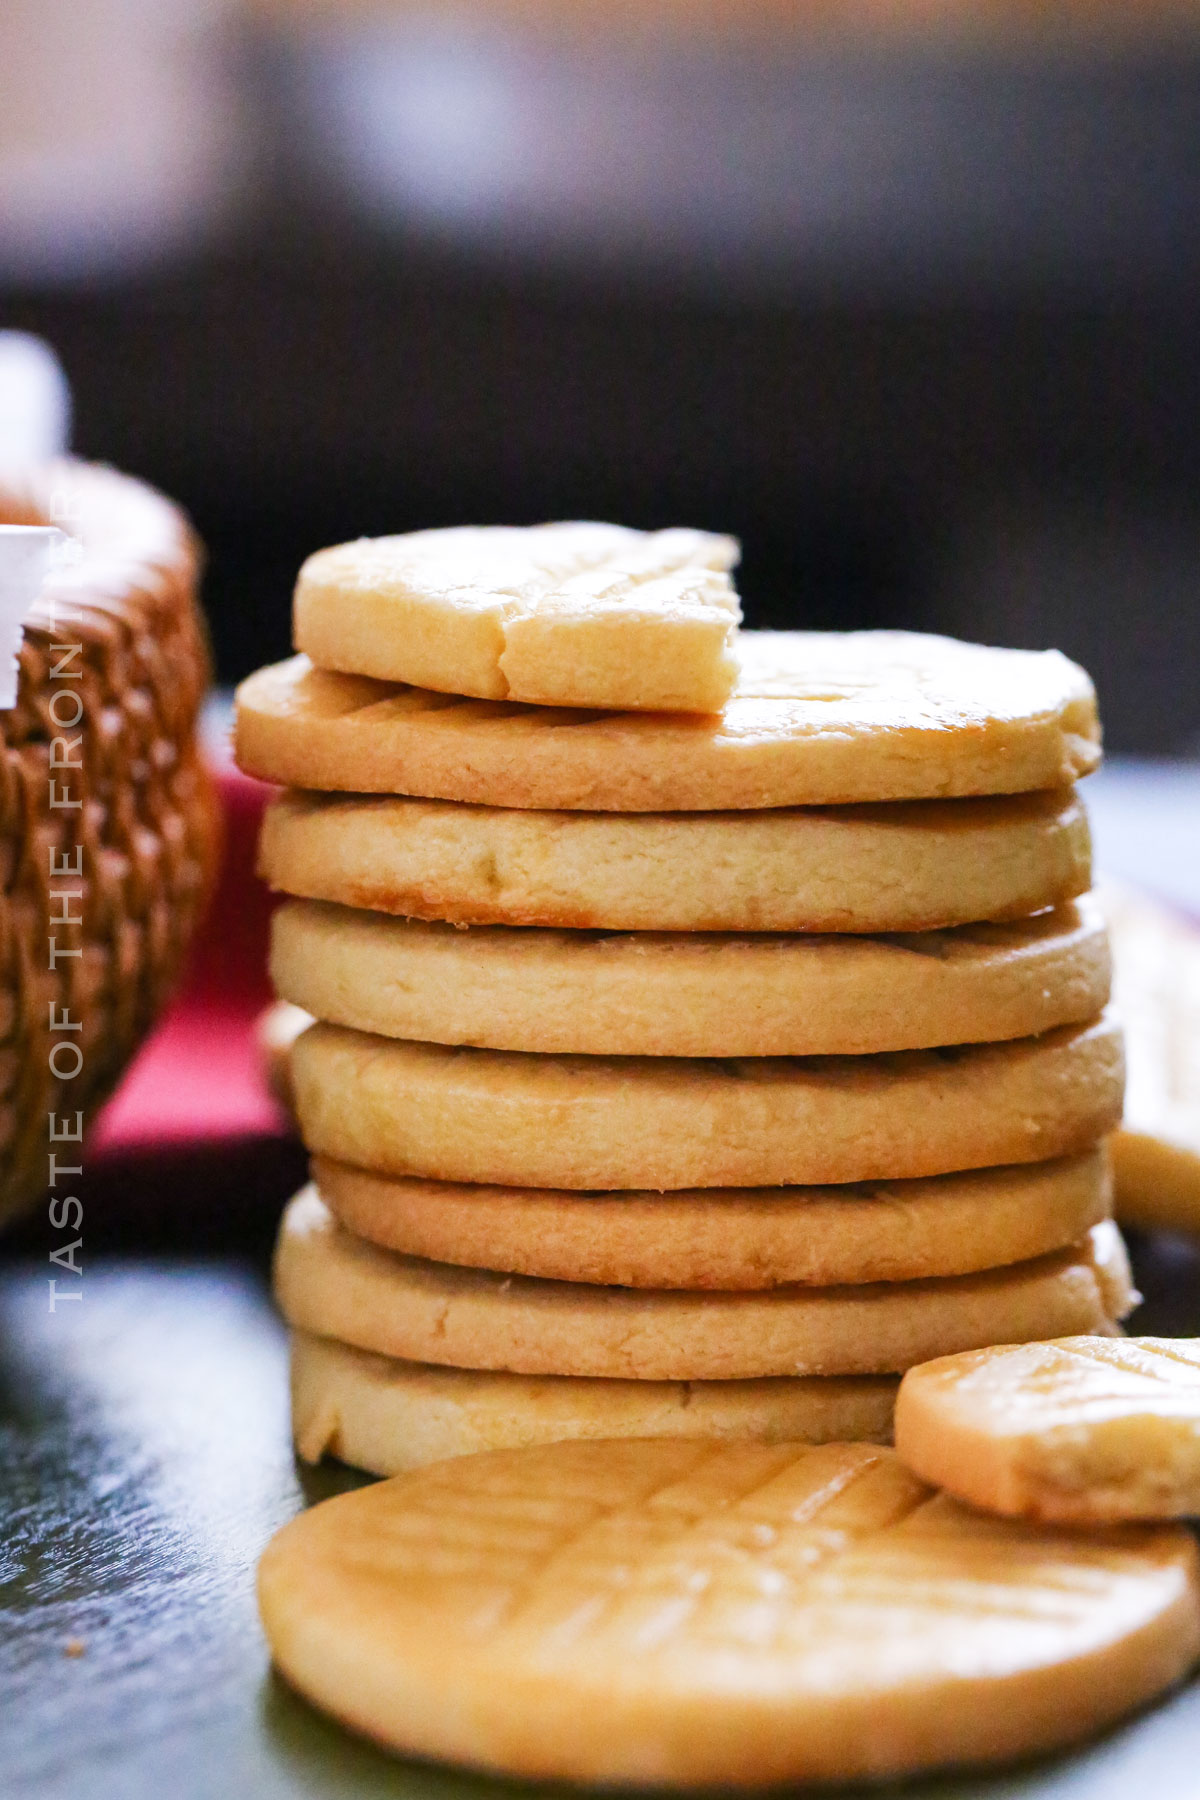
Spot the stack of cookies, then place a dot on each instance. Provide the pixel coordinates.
(710, 1028)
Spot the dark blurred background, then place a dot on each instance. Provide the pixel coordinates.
(905, 294)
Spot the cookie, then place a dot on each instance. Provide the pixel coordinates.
(732, 1238)
(1082, 1431)
(523, 1120)
(1157, 1181)
(573, 614)
(916, 866)
(736, 1615)
(689, 993)
(815, 719)
(387, 1416)
(1156, 1154)
(335, 1285)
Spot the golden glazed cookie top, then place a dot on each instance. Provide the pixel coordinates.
(814, 719)
(574, 614)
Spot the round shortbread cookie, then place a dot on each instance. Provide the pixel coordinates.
(1080, 1431)
(680, 1614)
(506, 987)
(915, 866)
(385, 1415)
(336, 1285)
(525, 1120)
(739, 1238)
(1157, 1182)
(572, 614)
(1156, 1154)
(815, 719)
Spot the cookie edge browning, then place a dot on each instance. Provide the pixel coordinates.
(687, 994)
(683, 1239)
(408, 757)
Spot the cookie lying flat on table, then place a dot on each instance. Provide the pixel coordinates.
(915, 866)
(1078, 1431)
(574, 614)
(731, 1238)
(689, 993)
(815, 719)
(1156, 1154)
(336, 1285)
(668, 1122)
(670, 1613)
(386, 1415)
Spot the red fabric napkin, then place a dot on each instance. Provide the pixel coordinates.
(198, 1080)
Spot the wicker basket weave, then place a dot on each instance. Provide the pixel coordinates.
(147, 828)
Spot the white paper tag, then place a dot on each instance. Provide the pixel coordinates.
(27, 553)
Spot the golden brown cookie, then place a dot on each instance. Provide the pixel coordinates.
(733, 1238)
(335, 1285)
(664, 1122)
(678, 1614)
(573, 614)
(908, 867)
(1156, 1154)
(815, 719)
(689, 993)
(1082, 1431)
(382, 1414)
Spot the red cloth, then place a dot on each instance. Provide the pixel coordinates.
(199, 1078)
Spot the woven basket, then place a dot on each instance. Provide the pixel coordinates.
(145, 836)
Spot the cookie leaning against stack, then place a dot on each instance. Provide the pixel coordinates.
(1156, 1154)
(676, 1073)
